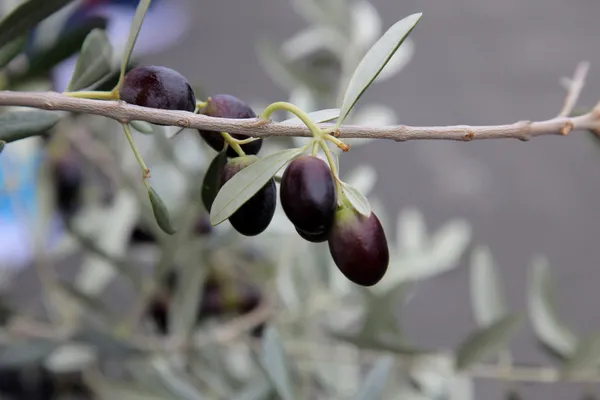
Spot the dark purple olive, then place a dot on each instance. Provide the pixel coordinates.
(314, 238)
(359, 247)
(158, 87)
(308, 195)
(227, 106)
(256, 214)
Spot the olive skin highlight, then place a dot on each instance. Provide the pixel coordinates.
(359, 247)
(158, 87)
(308, 196)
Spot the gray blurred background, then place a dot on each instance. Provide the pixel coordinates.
(476, 62)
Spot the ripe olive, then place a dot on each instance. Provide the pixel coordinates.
(256, 214)
(228, 106)
(359, 247)
(308, 195)
(158, 87)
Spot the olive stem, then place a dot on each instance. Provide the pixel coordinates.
(233, 143)
(332, 165)
(282, 105)
(136, 152)
(201, 104)
(343, 146)
(315, 148)
(95, 95)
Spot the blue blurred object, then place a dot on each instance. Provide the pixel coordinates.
(165, 24)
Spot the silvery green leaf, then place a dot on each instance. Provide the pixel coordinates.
(432, 373)
(357, 199)
(184, 308)
(112, 228)
(243, 185)
(161, 213)
(70, 358)
(255, 389)
(281, 70)
(375, 383)
(136, 25)
(94, 62)
(398, 61)
(375, 60)
(486, 341)
(275, 365)
(142, 126)
(487, 294)
(212, 180)
(366, 23)
(548, 327)
(313, 39)
(17, 125)
(586, 356)
(362, 177)
(106, 343)
(461, 387)
(26, 16)
(374, 115)
(176, 381)
(26, 352)
(316, 116)
(12, 49)
(113, 389)
(411, 232)
(89, 304)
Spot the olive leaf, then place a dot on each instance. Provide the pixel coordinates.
(88, 302)
(25, 352)
(12, 49)
(19, 125)
(243, 185)
(375, 60)
(274, 362)
(27, 15)
(486, 341)
(358, 200)
(316, 116)
(142, 126)
(585, 357)
(94, 62)
(548, 328)
(373, 387)
(212, 180)
(136, 25)
(161, 213)
(487, 295)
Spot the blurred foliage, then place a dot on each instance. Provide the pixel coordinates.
(205, 313)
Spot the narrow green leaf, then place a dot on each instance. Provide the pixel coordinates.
(136, 25)
(26, 16)
(184, 309)
(357, 199)
(586, 356)
(94, 62)
(486, 341)
(87, 302)
(142, 126)
(212, 180)
(12, 49)
(317, 116)
(487, 295)
(42, 61)
(548, 328)
(375, 60)
(19, 125)
(274, 363)
(239, 189)
(161, 213)
(373, 387)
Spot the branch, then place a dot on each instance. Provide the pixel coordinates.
(123, 113)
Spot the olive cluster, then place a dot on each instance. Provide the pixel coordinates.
(309, 194)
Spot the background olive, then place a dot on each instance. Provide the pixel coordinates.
(228, 106)
(314, 238)
(158, 87)
(308, 195)
(359, 247)
(256, 214)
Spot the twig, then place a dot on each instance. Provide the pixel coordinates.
(574, 88)
(123, 113)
